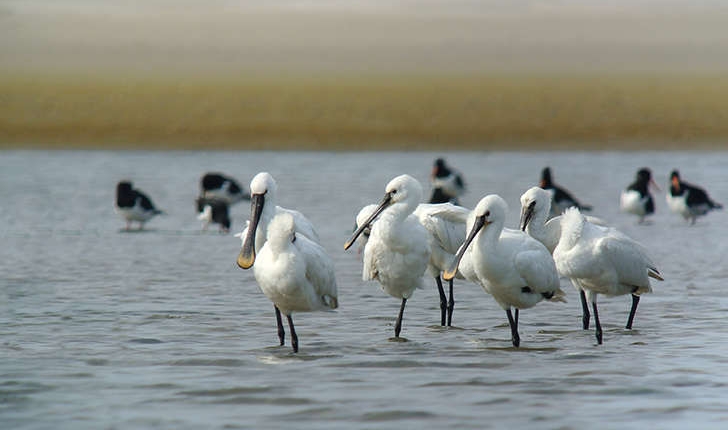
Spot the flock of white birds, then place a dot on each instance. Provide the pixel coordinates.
(402, 239)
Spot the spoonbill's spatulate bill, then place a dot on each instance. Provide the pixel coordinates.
(397, 252)
(134, 205)
(295, 273)
(602, 260)
(637, 199)
(688, 200)
(264, 190)
(517, 270)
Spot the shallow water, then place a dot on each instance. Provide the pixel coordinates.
(106, 329)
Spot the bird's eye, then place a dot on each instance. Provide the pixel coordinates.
(487, 213)
(394, 191)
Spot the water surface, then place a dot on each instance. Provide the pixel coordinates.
(160, 329)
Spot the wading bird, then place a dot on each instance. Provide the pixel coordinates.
(213, 211)
(602, 260)
(637, 199)
(514, 268)
(219, 186)
(397, 252)
(447, 184)
(445, 224)
(688, 200)
(134, 205)
(295, 273)
(264, 191)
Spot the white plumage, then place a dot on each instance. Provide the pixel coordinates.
(602, 260)
(263, 208)
(445, 224)
(535, 210)
(397, 252)
(514, 268)
(294, 272)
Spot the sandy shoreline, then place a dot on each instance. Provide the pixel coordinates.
(366, 113)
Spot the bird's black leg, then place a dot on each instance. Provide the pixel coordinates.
(598, 325)
(515, 318)
(514, 328)
(443, 300)
(635, 302)
(450, 305)
(585, 310)
(398, 324)
(294, 337)
(281, 332)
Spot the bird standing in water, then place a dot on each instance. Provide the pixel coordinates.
(295, 273)
(514, 268)
(397, 252)
(447, 184)
(134, 205)
(688, 200)
(637, 199)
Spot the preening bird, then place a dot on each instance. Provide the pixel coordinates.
(263, 208)
(295, 273)
(602, 260)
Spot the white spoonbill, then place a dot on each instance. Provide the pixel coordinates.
(516, 269)
(535, 203)
(397, 252)
(637, 199)
(445, 224)
(295, 273)
(688, 200)
(264, 190)
(602, 260)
